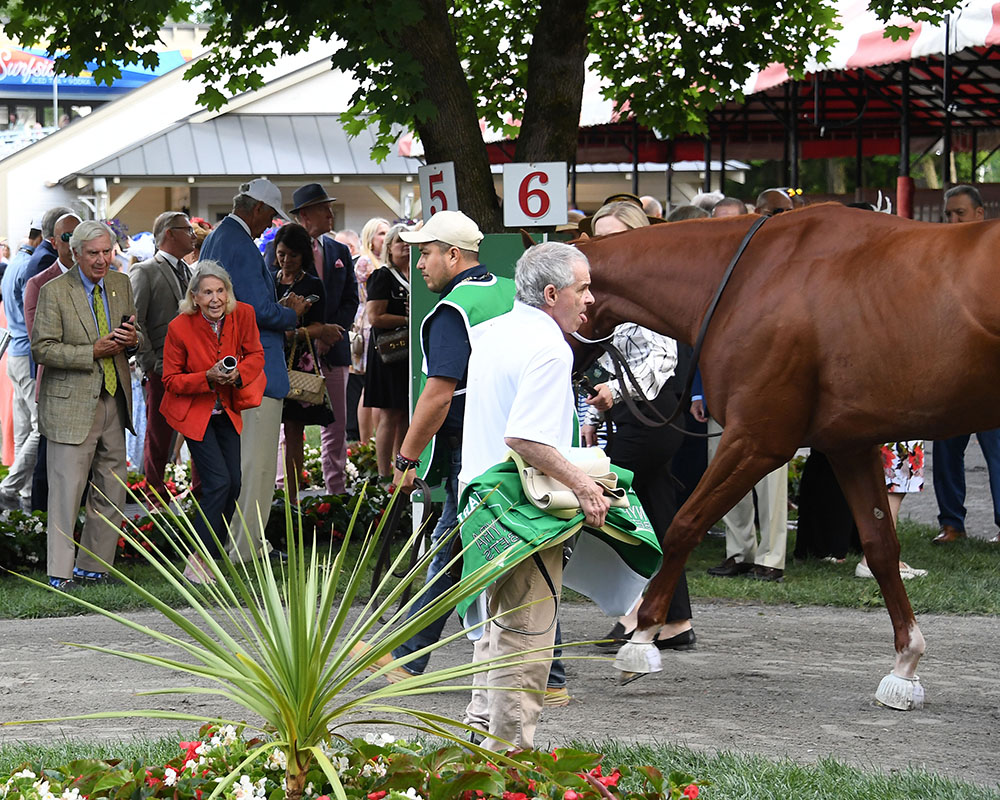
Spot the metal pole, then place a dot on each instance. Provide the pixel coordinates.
(670, 176)
(904, 183)
(722, 158)
(859, 166)
(55, 101)
(793, 135)
(946, 95)
(707, 184)
(572, 182)
(975, 154)
(635, 156)
(785, 177)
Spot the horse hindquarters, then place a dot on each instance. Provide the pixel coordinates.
(861, 476)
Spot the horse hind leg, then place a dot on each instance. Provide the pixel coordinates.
(862, 479)
(734, 471)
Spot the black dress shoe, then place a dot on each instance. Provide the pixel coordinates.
(760, 573)
(618, 637)
(682, 641)
(730, 568)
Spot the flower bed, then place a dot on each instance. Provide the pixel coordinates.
(377, 767)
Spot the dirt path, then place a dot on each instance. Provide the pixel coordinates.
(776, 681)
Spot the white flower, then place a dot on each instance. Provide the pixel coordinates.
(277, 760)
(340, 763)
(70, 794)
(24, 773)
(225, 736)
(412, 794)
(169, 776)
(310, 790)
(380, 739)
(374, 769)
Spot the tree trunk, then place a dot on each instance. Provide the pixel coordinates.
(452, 133)
(556, 70)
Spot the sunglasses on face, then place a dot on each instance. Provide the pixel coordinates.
(67, 236)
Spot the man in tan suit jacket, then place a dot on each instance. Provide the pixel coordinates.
(85, 402)
(158, 285)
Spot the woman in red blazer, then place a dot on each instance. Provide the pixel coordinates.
(204, 394)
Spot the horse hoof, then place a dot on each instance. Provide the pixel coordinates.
(635, 660)
(903, 694)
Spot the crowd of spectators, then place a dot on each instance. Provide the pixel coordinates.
(209, 337)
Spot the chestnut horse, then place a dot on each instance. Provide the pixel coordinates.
(840, 329)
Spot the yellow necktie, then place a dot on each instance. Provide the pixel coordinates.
(107, 364)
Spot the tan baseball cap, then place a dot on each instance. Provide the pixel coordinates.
(450, 227)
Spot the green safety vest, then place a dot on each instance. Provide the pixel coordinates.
(478, 301)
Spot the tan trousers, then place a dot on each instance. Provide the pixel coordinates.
(101, 454)
(772, 511)
(507, 713)
(259, 465)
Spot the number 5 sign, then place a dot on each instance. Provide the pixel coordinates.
(437, 188)
(534, 195)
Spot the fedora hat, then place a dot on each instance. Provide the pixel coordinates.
(309, 195)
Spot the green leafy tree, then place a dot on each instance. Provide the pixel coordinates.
(439, 67)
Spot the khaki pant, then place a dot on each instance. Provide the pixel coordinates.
(259, 467)
(772, 511)
(504, 711)
(102, 455)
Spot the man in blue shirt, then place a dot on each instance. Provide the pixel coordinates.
(15, 490)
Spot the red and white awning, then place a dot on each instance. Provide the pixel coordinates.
(862, 41)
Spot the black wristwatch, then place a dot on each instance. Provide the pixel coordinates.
(403, 463)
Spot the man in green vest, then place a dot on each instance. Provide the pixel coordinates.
(471, 297)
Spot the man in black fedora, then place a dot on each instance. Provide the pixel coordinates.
(335, 268)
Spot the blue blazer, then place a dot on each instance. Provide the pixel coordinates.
(230, 245)
(44, 257)
(341, 287)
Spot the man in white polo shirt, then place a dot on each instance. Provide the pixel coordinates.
(520, 398)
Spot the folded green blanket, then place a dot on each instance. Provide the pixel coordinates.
(501, 527)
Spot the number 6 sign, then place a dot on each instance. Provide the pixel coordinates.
(437, 188)
(534, 195)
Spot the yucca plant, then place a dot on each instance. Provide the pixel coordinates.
(279, 643)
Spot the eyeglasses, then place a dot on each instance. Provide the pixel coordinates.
(67, 236)
(187, 228)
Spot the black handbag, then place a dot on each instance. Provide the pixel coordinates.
(393, 346)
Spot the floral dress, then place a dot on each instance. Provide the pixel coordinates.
(904, 466)
(306, 413)
(361, 330)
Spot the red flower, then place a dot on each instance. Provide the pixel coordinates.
(377, 795)
(571, 795)
(514, 796)
(323, 508)
(151, 780)
(190, 748)
(690, 791)
(349, 452)
(197, 794)
(323, 797)
(612, 779)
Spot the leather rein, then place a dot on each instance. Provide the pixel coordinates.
(655, 419)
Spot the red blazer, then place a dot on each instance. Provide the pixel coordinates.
(190, 350)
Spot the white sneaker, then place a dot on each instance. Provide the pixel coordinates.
(905, 572)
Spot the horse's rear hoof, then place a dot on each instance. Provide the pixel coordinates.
(903, 694)
(635, 660)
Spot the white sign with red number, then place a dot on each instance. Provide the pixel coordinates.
(534, 195)
(437, 188)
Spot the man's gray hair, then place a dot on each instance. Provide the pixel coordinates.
(50, 217)
(164, 223)
(969, 191)
(88, 231)
(542, 265)
(202, 270)
(244, 202)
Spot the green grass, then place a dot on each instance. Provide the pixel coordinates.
(22, 600)
(733, 776)
(964, 579)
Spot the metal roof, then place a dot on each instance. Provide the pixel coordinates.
(239, 145)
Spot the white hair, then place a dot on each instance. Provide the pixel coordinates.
(549, 263)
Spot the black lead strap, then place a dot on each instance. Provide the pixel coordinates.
(657, 420)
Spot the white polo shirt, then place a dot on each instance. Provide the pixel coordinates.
(519, 386)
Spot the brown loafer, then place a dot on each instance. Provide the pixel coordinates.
(761, 573)
(729, 568)
(949, 533)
